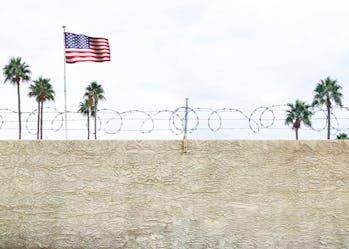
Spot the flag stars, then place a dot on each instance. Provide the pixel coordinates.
(76, 41)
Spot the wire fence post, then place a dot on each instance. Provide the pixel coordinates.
(185, 141)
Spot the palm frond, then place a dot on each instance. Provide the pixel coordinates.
(16, 71)
(298, 113)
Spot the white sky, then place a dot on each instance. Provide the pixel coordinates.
(219, 53)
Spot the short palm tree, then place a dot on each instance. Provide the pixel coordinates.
(298, 113)
(42, 91)
(342, 136)
(15, 72)
(34, 91)
(94, 91)
(85, 110)
(325, 92)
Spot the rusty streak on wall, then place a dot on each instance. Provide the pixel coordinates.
(148, 194)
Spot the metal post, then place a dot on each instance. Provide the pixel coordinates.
(186, 116)
(65, 89)
(185, 142)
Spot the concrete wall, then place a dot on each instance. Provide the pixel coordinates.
(147, 194)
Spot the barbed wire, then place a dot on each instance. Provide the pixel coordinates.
(112, 122)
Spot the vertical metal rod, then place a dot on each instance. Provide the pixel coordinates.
(185, 142)
(186, 117)
(65, 89)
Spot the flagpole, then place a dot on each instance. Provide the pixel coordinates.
(65, 90)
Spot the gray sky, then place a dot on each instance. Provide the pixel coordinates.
(236, 54)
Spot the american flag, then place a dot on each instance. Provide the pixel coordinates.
(79, 48)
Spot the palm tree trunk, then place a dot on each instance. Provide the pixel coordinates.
(328, 122)
(95, 121)
(296, 129)
(41, 120)
(88, 125)
(19, 112)
(38, 128)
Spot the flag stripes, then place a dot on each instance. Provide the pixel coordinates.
(82, 48)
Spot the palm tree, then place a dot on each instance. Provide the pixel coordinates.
(327, 90)
(342, 136)
(34, 91)
(298, 113)
(85, 110)
(94, 92)
(15, 72)
(42, 91)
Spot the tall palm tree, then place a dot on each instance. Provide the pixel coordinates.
(15, 72)
(94, 91)
(85, 110)
(298, 113)
(42, 91)
(327, 90)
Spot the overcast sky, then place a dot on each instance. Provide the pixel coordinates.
(219, 53)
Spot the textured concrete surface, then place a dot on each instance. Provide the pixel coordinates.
(147, 194)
